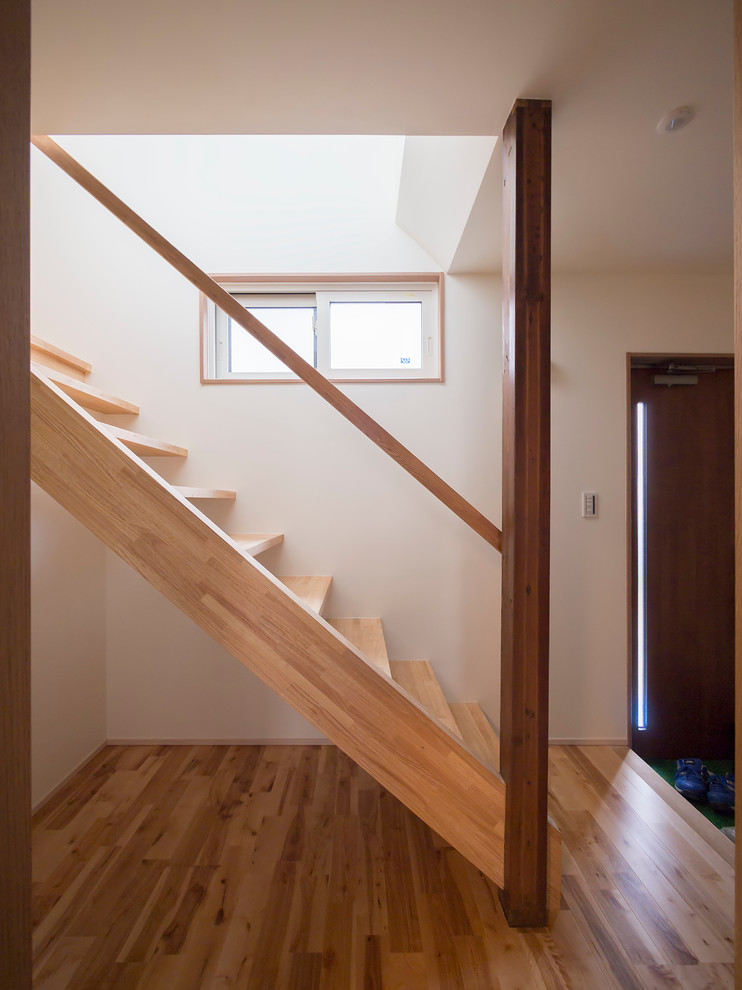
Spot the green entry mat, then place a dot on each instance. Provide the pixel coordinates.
(666, 769)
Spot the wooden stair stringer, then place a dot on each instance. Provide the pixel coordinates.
(244, 608)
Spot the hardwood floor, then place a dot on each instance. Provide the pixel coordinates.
(289, 867)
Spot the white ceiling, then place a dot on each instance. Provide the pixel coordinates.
(624, 197)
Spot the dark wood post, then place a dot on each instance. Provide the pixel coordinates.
(738, 447)
(526, 269)
(15, 753)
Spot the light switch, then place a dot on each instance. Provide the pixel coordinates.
(589, 505)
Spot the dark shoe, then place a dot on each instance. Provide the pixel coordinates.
(690, 779)
(721, 793)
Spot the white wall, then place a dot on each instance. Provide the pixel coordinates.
(597, 320)
(297, 466)
(68, 668)
(440, 181)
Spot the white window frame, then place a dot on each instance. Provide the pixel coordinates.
(281, 290)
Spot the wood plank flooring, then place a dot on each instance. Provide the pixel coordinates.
(184, 867)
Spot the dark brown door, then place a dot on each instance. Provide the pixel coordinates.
(683, 624)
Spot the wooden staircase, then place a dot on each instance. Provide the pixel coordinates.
(391, 717)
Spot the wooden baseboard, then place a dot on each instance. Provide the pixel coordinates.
(253, 742)
(313, 741)
(588, 742)
(63, 783)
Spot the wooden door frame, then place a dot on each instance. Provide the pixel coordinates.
(738, 445)
(631, 356)
(15, 552)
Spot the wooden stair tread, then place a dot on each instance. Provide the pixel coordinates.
(85, 395)
(477, 732)
(367, 635)
(418, 678)
(54, 357)
(196, 493)
(146, 446)
(255, 543)
(313, 591)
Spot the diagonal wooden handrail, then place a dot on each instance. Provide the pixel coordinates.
(329, 392)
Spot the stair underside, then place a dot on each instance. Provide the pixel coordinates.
(182, 554)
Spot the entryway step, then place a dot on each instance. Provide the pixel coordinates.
(367, 635)
(418, 678)
(198, 493)
(42, 352)
(255, 543)
(85, 395)
(146, 446)
(313, 591)
(477, 732)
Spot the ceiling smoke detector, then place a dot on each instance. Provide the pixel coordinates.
(675, 119)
